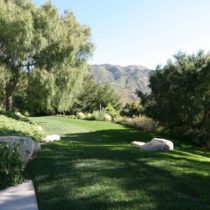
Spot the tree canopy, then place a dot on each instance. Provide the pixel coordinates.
(180, 96)
(34, 38)
(95, 96)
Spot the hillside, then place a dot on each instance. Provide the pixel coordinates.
(125, 80)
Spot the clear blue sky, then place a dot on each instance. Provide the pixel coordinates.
(142, 32)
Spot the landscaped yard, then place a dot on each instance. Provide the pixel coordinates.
(94, 167)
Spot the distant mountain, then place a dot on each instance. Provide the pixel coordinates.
(125, 80)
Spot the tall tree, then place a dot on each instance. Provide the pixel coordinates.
(34, 37)
(95, 96)
(181, 94)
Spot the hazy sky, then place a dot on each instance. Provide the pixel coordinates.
(142, 32)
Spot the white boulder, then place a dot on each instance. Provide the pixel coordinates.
(137, 144)
(155, 144)
(52, 138)
(27, 148)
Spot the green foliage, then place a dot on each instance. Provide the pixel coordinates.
(141, 122)
(68, 85)
(81, 115)
(95, 96)
(132, 109)
(89, 116)
(4, 77)
(112, 111)
(180, 96)
(20, 97)
(40, 92)
(39, 38)
(14, 115)
(11, 167)
(101, 115)
(107, 117)
(144, 97)
(20, 127)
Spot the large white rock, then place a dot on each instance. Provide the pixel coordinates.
(52, 138)
(27, 148)
(137, 144)
(154, 144)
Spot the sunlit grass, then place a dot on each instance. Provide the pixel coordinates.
(10, 126)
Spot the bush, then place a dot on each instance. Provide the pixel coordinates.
(144, 123)
(89, 116)
(81, 115)
(112, 111)
(20, 127)
(72, 116)
(118, 119)
(141, 122)
(11, 167)
(101, 115)
(67, 116)
(130, 110)
(98, 115)
(107, 117)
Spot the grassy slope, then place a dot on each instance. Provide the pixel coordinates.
(14, 125)
(94, 167)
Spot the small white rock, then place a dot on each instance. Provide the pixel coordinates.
(52, 138)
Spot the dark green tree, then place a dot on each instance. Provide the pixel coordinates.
(180, 95)
(95, 96)
(132, 109)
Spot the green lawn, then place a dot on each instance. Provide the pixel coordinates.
(94, 167)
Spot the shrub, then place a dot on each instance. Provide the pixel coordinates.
(112, 111)
(107, 117)
(130, 110)
(20, 127)
(89, 116)
(144, 123)
(141, 122)
(67, 116)
(118, 119)
(81, 115)
(100, 115)
(72, 116)
(11, 167)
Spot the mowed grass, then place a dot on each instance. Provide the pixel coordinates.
(94, 167)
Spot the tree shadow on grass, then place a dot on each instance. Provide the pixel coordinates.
(100, 170)
(109, 137)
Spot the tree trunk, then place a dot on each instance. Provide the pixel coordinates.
(10, 88)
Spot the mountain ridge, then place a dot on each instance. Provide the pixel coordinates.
(124, 79)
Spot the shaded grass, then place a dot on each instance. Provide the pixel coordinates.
(94, 167)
